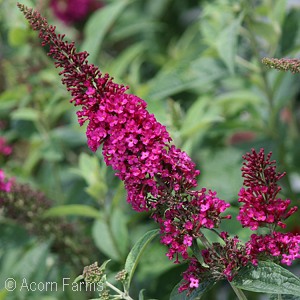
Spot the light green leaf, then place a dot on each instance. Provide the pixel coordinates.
(90, 170)
(122, 61)
(119, 230)
(17, 36)
(31, 262)
(233, 102)
(278, 12)
(104, 240)
(267, 31)
(228, 163)
(9, 98)
(267, 277)
(3, 294)
(206, 114)
(226, 43)
(178, 77)
(135, 254)
(72, 209)
(204, 286)
(28, 114)
(98, 25)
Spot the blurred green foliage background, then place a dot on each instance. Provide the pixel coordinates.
(198, 66)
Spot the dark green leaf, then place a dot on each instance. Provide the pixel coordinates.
(267, 277)
(283, 297)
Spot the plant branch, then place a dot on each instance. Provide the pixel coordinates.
(124, 295)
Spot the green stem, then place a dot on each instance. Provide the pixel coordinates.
(238, 292)
(124, 295)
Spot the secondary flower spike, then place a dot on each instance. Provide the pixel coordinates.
(261, 205)
(158, 176)
(283, 64)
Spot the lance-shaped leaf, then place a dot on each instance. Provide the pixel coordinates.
(135, 254)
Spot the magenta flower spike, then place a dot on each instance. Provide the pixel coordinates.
(158, 176)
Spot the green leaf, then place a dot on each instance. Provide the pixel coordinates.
(120, 64)
(226, 43)
(17, 36)
(267, 31)
(89, 168)
(3, 294)
(267, 277)
(32, 261)
(135, 254)
(204, 286)
(97, 26)
(228, 163)
(178, 77)
(104, 240)
(235, 101)
(9, 98)
(72, 209)
(283, 297)
(103, 266)
(278, 12)
(207, 115)
(28, 114)
(119, 230)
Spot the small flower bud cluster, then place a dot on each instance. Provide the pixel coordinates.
(121, 276)
(92, 273)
